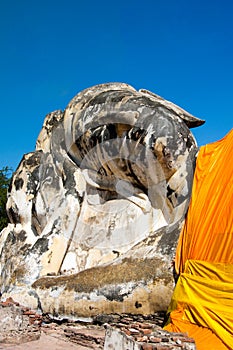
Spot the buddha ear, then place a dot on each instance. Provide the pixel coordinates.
(189, 119)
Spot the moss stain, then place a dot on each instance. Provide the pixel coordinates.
(97, 277)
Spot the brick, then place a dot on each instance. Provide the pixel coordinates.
(187, 340)
(37, 316)
(126, 331)
(147, 347)
(146, 331)
(145, 325)
(155, 339)
(31, 320)
(142, 339)
(29, 312)
(9, 300)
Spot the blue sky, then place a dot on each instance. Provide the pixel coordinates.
(51, 50)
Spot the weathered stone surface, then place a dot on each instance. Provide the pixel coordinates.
(17, 324)
(97, 208)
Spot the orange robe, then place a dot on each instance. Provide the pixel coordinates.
(202, 302)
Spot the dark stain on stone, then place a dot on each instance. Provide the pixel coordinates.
(40, 246)
(101, 319)
(33, 160)
(111, 95)
(68, 175)
(18, 275)
(11, 184)
(55, 118)
(22, 235)
(168, 241)
(11, 239)
(18, 183)
(34, 230)
(13, 215)
(36, 224)
(24, 249)
(138, 305)
(113, 293)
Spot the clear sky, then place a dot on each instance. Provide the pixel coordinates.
(52, 49)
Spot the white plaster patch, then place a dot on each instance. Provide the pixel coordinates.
(56, 292)
(69, 263)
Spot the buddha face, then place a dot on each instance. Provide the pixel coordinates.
(134, 146)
